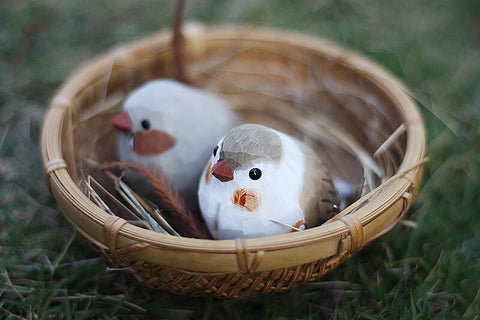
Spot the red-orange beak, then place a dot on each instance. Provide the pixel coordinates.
(222, 172)
(122, 122)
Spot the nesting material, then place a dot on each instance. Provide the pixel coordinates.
(260, 182)
(167, 213)
(337, 102)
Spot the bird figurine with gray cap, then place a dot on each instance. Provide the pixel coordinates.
(172, 126)
(261, 182)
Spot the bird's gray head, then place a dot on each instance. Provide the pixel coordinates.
(246, 144)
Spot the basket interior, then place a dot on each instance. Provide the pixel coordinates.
(292, 89)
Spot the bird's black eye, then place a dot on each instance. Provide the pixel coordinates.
(255, 174)
(215, 151)
(145, 124)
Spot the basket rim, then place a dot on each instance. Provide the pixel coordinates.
(65, 189)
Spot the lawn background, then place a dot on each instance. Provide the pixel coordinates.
(427, 268)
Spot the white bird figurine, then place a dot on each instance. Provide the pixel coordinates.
(172, 126)
(261, 182)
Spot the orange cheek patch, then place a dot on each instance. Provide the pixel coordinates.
(299, 225)
(208, 174)
(246, 199)
(152, 142)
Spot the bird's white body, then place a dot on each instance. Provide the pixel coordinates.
(275, 203)
(189, 120)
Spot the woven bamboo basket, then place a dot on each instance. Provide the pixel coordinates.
(301, 85)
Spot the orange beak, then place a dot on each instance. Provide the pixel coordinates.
(122, 122)
(222, 172)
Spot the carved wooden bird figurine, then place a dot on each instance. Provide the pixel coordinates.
(261, 182)
(172, 126)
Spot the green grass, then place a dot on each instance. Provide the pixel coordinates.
(428, 272)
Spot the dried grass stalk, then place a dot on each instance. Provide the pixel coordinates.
(185, 221)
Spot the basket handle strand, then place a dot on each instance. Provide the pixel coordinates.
(178, 44)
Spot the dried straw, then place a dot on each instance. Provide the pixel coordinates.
(171, 201)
